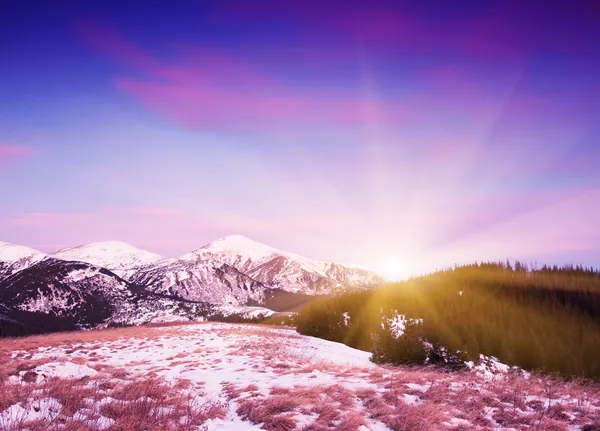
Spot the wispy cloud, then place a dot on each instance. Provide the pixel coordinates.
(49, 219)
(145, 211)
(158, 212)
(207, 88)
(12, 152)
(46, 219)
(426, 233)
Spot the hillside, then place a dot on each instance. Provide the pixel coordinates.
(546, 319)
(225, 377)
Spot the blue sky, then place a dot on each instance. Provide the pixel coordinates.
(398, 136)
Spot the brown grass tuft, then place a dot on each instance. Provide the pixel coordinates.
(352, 422)
(146, 388)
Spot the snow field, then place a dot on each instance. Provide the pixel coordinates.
(217, 376)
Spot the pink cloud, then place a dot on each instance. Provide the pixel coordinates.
(207, 88)
(201, 64)
(110, 43)
(47, 219)
(11, 152)
(201, 105)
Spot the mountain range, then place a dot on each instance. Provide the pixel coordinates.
(113, 283)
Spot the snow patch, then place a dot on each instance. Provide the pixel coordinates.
(64, 370)
(45, 408)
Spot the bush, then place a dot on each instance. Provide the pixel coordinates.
(409, 348)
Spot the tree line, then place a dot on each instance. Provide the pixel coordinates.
(545, 319)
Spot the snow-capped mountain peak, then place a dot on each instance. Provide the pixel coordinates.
(279, 269)
(238, 242)
(113, 255)
(14, 258)
(12, 253)
(234, 270)
(234, 245)
(245, 254)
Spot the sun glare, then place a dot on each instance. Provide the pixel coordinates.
(394, 270)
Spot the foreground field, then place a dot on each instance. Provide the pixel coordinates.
(215, 376)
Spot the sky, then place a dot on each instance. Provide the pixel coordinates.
(401, 136)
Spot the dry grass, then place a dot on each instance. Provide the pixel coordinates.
(138, 405)
(352, 422)
(391, 395)
(71, 394)
(528, 403)
(11, 394)
(509, 400)
(175, 411)
(336, 408)
(232, 391)
(268, 414)
(92, 339)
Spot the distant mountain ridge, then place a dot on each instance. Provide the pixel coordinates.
(110, 282)
(114, 255)
(14, 258)
(283, 270)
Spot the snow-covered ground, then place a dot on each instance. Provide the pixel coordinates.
(247, 312)
(217, 376)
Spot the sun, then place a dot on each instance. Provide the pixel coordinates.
(394, 269)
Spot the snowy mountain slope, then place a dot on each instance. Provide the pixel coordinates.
(202, 281)
(278, 269)
(14, 258)
(116, 256)
(83, 295)
(73, 290)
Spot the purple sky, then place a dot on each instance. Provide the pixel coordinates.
(400, 136)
